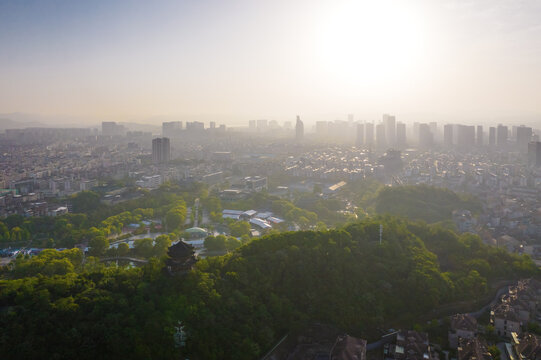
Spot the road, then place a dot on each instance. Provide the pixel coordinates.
(116, 258)
(475, 314)
(196, 214)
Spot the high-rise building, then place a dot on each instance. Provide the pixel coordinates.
(415, 132)
(108, 127)
(433, 126)
(479, 136)
(381, 141)
(401, 135)
(534, 154)
(252, 125)
(369, 134)
(426, 138)
(524, 137)
(448, 135)
(161, 150)
(171, 128)
(195, 126)
(339, 129)
(299, 129)
(360, 135)
(111, 128)
(287, 125)
(212, 125)
(501, 136)
(492, 136)
(389, 122)
(465, 136)
(322, 128)
(262, 125)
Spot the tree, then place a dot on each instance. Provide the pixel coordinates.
(143, 247)
(19, 234)
(213, 204)
(85, 202)
(161, 245)
(303, 222)
(494, 351)
(98, 245)
(245, 239)
(239, 228)
(320, 226)
(175, 217)
(123, 249)
(232, 243)
(216, 243)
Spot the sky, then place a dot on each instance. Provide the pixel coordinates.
(237, 60)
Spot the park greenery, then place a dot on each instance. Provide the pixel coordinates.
(423, 202)
(61, 305)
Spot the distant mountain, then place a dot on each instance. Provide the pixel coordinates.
(24, 120)
(7, 122)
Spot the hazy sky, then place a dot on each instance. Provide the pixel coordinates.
(121, 60)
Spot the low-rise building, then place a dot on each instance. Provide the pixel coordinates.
(474, 348)
(505, 320)
(463, 326)
(409, 345)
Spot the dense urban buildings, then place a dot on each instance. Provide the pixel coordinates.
(299, 129)
(161, 150)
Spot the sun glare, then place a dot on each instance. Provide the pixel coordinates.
(372, 42)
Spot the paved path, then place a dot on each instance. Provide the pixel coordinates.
(475, 314)
(500, 292)
(116, 258)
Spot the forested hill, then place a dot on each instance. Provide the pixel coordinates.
(423, 202)
(252, 297)
(238, 305)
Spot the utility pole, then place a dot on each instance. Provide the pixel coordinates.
(380, 232)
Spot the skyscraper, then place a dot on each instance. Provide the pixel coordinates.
(111, 128)
(299, 129)
(252, 125)
(480, 141)
(401, 135)
(389, 122)
(433, 126)
(501, 136)
(381, 141)
(195, 126)
(322, 128)
(171, 128)
(360, 135)
(369, 134)
(262, 125)
(426, 138)
(465, 136)
(161, 150)
(492, 136)
(448, 135)
(524, 136)
(534, 154)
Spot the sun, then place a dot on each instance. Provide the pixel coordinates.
(372, 42)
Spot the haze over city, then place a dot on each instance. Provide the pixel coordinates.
(84, 62)
(270, 180)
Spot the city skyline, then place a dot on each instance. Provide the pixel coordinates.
(208, 61)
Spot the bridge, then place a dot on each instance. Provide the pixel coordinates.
(124, 258)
